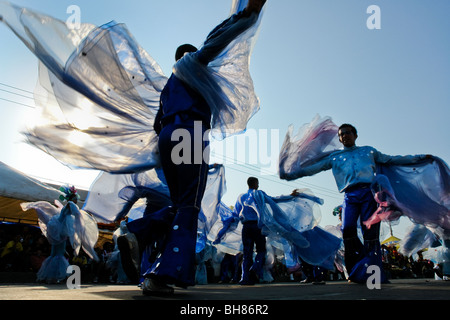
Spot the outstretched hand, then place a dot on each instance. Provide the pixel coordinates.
(255, 5)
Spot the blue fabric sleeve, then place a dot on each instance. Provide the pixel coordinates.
(224, 34)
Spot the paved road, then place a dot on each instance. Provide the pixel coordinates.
(278, 301)
(409, 289)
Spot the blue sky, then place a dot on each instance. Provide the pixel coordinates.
(312, 57)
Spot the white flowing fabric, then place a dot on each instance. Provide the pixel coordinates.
(226, 83)
(423, 190)
(231, 241)
(99, 91)
(312, 142)
(212, 200)
(112, 196)
(417, 237)
(291, 224)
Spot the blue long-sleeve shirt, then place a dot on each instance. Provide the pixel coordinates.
(245, 205)
(356, 165)
(224, 34)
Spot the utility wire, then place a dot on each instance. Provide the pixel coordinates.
(12, 87)
(20, 103)
(17, 94)
(267, 173)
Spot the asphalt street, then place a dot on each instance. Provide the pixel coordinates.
(278, 301)
(404, 289)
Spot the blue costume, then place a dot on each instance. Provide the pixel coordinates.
(289, 223)
(251, 237)
(181, 108)
(355, 170)
(184, 109)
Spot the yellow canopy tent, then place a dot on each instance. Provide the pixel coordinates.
(392, 240)
(16, 187)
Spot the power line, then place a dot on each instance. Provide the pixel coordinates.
(20, 103)
(329, 192)
(269, 176)
(17, 94)
(281, 182)
(12, 87)
(34, 94)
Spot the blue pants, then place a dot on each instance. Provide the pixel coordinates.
(229, 268)
(186, 182)
(359, 205)
(251, 236)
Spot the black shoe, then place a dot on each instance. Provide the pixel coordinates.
(129, 256)
(154, 287)
(306, 281)
(246, 283)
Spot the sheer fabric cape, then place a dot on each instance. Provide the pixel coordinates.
(98, 91)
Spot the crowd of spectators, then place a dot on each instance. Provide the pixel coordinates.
(23, 248)
(398, 266)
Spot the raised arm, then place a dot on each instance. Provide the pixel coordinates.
(400, 160)
(229, 30)
(255, 6)
(308, 169)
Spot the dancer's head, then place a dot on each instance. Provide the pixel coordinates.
(347, 135)
(69, 194)
(253, 183)
(183, 49)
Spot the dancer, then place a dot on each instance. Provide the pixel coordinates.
(354, 169)
(251, 235)
(60, 224)
(183, 109)
(289, 223)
